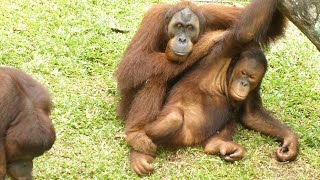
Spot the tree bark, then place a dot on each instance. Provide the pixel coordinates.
(305, 14)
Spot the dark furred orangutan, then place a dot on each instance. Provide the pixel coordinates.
(146, 71)
(26, 129)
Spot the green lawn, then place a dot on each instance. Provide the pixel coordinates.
(70, 47)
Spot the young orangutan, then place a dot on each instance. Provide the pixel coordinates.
(207, 98)
(203, 105)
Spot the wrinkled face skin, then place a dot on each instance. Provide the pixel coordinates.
(183, 31)
(246, 75)
(20, 169)
(19, 161)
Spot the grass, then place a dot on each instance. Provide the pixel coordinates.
(70, 47)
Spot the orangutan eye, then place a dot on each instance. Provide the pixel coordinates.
(179, 25)
(190, 28)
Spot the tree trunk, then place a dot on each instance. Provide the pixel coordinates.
(305, 14)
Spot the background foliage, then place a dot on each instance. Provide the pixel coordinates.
(71, 48)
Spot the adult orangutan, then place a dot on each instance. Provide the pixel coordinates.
(167, 34)
(26, 130)
(164, 36)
